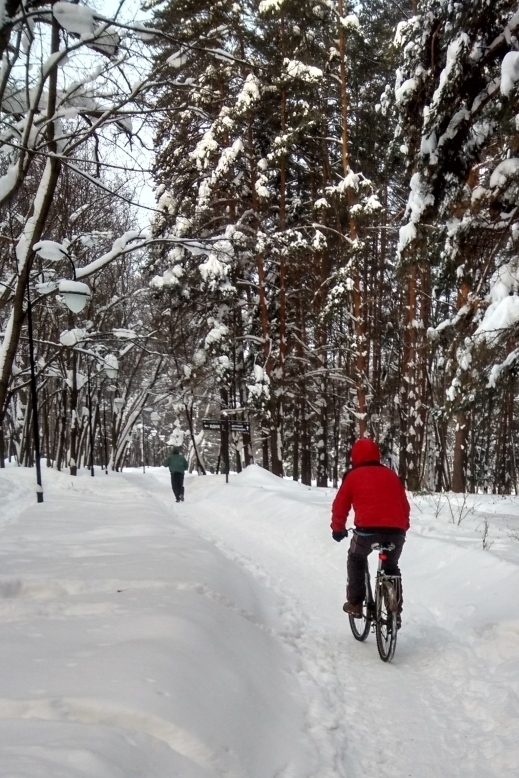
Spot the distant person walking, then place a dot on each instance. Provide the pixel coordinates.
(177, 464)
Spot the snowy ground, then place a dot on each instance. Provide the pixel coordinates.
(143, 638)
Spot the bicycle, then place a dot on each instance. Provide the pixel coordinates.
(381, 611)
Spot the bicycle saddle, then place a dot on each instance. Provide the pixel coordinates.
(382, 546)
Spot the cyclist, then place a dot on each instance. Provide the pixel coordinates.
(378, 498)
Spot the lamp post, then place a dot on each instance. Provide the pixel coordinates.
(117, 405)
(154, 418)
(111, 368)
(142, 442)
(34, 400)
(105, 437)
(90, 429)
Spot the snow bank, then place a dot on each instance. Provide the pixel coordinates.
(134, 647)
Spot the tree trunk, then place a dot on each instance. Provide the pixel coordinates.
(358, 306)
(459, 465)
(31, 234)
(306, 454)
(189, 417)
(265, 450)
(295, 445)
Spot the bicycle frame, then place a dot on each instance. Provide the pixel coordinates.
(381, 610)
(380, 577)
(394, 580)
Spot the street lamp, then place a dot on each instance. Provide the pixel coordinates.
(111, 365)
(118, 405)
(75, 294)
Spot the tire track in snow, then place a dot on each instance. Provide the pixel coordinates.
(353, 699)
(325, 711)
(354, 731)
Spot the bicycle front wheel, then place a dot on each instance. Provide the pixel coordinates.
(386, 620)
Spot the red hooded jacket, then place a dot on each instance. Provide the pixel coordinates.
(375, 493)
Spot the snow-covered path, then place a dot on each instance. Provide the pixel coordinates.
(449, 704)
(142, 638)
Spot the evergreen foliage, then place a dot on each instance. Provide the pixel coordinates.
(334, 249)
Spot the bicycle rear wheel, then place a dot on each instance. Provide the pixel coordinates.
(360, 627)
(386, 619)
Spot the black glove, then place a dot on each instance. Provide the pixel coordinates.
(338, 536)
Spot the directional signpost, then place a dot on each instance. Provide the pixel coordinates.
(239, 426)
(220, 424)
(225, 426)
(212, 424)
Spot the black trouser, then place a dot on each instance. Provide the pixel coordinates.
(360, 549)
(177, 484)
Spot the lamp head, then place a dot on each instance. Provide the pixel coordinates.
(75, 294)
(111, 365)
(118, 404)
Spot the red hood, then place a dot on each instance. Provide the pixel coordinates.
(364, 450)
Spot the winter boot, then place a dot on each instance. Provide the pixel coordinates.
(352, 609)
